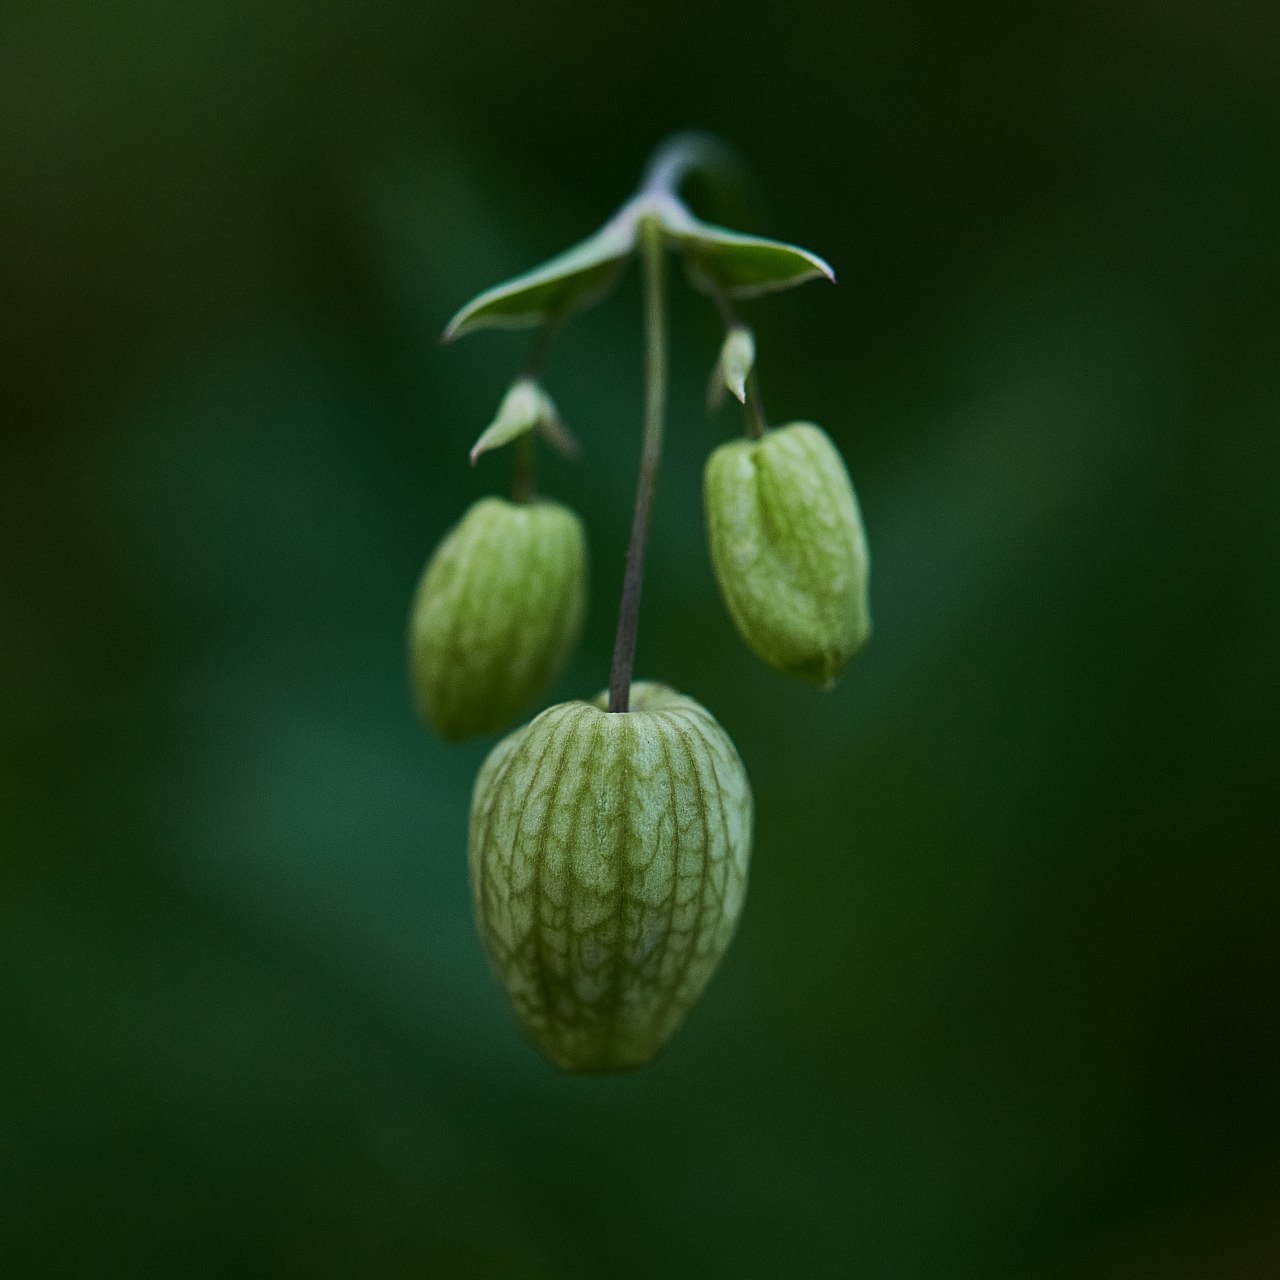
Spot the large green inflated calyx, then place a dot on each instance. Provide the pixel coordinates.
(608, 859)
(497, 613)
(788, 549)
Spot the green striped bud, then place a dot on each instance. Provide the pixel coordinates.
(608, 865)
(497, 613)
(789, 551)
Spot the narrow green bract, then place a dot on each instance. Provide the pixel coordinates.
(497, 613)
(789, 551)
(609, 865)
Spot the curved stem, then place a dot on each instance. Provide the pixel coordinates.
(655, 394)
(680, 155)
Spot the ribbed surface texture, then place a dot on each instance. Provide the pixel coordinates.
(497, 613)
(609, 865)
(788, 549)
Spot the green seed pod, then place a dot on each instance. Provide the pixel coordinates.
(608, 866)
(789, 551)
(498, 611)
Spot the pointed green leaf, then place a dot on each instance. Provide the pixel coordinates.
(742, 266)
(736, 359)
(569, 280)
(526, 407)
(521, 409)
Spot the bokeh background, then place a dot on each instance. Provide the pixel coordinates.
(1005, 998)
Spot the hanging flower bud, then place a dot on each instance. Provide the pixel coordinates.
(789, 551)
(608, 865)
(498, 610)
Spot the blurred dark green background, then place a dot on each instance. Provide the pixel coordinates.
(1005, 1000)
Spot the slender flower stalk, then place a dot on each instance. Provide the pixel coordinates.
(652, 253)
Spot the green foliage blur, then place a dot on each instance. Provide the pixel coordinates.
(1006, 997)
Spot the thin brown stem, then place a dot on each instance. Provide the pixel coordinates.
(655, 394)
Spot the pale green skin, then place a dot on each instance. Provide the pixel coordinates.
(609, 866)
(789, 551)
(498, 611)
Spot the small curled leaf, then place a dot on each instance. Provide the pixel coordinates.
(737, 357)
(520, 411)
(526, 407)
